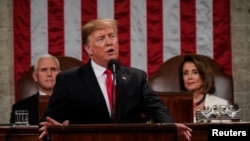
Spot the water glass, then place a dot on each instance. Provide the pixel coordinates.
(21, 117)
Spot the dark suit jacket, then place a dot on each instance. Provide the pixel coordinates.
(31, 104)
(77, 97)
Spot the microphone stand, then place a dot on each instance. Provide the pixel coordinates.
(113, 110)
(113, 65)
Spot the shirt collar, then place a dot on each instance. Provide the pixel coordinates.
(98, 70)
(42, 93)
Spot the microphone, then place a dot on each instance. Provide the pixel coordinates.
(113, 65)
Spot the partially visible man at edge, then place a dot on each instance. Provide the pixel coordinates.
(82, 91)
(46, 68)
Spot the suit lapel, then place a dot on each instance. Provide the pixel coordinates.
(87, 75)
(122, 80)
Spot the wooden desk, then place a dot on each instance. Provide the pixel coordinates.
(179, 104)
(117, 132)
(114, 132)
(43, 104)
(199, 132)
(18, 133)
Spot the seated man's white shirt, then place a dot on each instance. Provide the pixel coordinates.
(42, 93)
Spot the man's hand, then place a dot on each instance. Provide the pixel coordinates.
(183, 130)
(49, 121)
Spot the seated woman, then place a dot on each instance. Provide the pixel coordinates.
(196, 76)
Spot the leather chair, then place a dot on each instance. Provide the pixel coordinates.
(26, 86)
(166, 78)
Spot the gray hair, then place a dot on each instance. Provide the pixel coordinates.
(45, 56)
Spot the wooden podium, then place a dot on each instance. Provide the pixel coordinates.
(139, 132)
(114, 132)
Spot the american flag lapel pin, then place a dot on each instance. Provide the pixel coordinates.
(124, 78)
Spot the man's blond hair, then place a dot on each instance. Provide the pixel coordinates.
(96, 24)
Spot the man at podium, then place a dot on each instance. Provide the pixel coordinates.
(90, 95)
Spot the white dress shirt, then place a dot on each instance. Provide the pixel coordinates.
(101, 78)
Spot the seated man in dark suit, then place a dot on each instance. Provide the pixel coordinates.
(45, 71)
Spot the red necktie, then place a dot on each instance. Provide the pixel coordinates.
(109, 86)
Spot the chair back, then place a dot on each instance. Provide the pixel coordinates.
(26, 86)
(166, 78)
